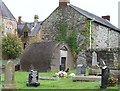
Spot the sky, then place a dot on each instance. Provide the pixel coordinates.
(43, 8)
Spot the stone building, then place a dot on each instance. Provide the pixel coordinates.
(95, 33)
(8, 22)
(26, 30)
(46, 56)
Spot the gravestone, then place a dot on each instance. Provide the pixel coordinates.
(33, 79)
(94, 58)
(105, 76)
(0, 74)
(81, 69)
(9, 82)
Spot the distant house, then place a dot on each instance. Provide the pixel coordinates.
(27, 30)
(93, 32)
(8, 22)
(47, 56)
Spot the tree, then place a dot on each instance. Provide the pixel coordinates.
(33, 40)
(11, 46)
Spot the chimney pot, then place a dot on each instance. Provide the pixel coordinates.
(36, 17)
(19, 20)
(107, 17)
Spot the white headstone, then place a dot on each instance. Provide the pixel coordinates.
(9, 82)
(94, 58)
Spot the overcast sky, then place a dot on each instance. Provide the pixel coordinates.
(28, 8)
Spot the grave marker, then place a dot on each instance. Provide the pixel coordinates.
(9, 82)
(33, 79)
(105, 76)
(94, 58)
(81, 69)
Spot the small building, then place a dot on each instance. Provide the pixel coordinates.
(46, 56)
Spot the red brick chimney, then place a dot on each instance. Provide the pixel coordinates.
(19, 20)
(63, 3)
(107, 17)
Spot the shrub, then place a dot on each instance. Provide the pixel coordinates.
(11, 46)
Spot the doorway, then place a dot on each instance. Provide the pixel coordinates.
(63, 63)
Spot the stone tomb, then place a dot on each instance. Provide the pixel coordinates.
(9, 82)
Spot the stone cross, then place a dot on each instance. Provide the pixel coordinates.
(94, 58)
(9, 82)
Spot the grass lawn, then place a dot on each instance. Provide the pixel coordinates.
(63, 83)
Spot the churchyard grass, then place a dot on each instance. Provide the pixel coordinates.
(63, 83)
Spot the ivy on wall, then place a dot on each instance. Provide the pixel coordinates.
(68, 37)
(86, 33)
(71, 38)
(62, 33)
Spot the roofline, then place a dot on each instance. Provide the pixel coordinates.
(49, 15)
(115, 29)
(8, 10)
(106, 26)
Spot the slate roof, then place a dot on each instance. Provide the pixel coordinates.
(6, 12)
(33, 28)
(95, 18)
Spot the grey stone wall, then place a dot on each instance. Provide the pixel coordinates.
(68, 15)
(104, 37)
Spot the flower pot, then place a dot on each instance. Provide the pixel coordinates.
(112, 84)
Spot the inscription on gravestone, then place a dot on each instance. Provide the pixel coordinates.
(9, 82)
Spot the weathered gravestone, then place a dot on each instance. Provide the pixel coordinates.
(94, 59)
(9, 82)
(105, 76)
(0, 74)
(33, 79)
(81, 69)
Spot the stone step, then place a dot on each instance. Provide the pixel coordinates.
(86, 78)
(48, 78)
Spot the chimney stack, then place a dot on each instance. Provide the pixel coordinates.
(36, 17)
(63, 3)
(19, 20)
(107, 17)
